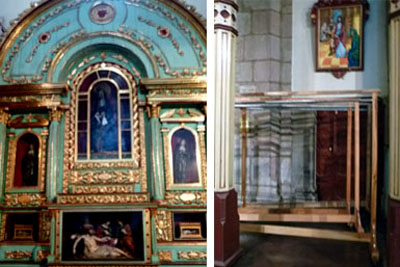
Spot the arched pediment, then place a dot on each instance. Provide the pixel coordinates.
(158, 38)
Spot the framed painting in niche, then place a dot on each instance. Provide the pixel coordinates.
(183, 158)
(103, 236)
(339, 35)
(25, 168)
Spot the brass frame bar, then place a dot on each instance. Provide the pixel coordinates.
(348, 161)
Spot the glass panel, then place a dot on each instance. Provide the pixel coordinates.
(82, 126)
(126, 125)
(125, 111)
(126, 141)
(103, 74)
(82, 107)
(184, 157)
(104, 121)
(126, 155)
(87, 82)
(82, 140)
(27, 161)
(119, 80)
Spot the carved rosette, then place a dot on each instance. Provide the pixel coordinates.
(165, 256)
(18, 254)
(192, 255)
(24, 200)
(186, 198)
(163, 219)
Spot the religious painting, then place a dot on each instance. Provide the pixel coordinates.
(184, 157)
(104, 121)
(339, 35)
(27, 161)
(103, 236)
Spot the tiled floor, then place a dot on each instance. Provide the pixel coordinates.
(283, 251)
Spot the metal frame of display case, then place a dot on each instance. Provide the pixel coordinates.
(347, 211)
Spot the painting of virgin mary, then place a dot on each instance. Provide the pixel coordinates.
(185, 168)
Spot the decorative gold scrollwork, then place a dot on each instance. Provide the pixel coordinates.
(18, 254)
(192, 255)
(103, 199)
(24, 199)
(104, 177)
(165, 256)
(163, 225)
(186, 198)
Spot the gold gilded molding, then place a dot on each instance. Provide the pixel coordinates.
(167, 136)
(163, 219)
(148, 235)
(12, 154)
(17, 122)
(44, 227)
(106, 165)
(42, 255)
(104, 177)
(192, 255)
(102, 189)
(102, 199)
(55, 115)
(3, 227)
(18, 254)
(143, 163)
(203, 154)
(4, 116)
(185, 115)
(165, 256)
(24, 199)
(186, 198)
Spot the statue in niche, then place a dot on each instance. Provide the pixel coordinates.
(27, 161)
(184, 157)
(104, 122)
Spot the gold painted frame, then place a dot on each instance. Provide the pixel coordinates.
(147, 236)
(11, 160)
(200, 158)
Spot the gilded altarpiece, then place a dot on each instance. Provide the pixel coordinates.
(102, 135)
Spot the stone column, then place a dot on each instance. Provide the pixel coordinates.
(4, 116)
(53, 152)
(157, 166)
(226, 218)
(393, 230)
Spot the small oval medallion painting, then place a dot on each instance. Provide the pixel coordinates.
(102, 13)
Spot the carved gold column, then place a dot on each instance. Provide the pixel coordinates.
(394, 140)
(53, 154)
(157, 161)
(4, 116)
(226, 219)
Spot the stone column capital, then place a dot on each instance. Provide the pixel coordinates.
(225, 15)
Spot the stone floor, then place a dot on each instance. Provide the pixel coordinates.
(282, 251)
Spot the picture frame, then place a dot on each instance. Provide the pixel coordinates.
(184, 153)
(120, 236)
(190, 230)
(23, 232)
(339, 35)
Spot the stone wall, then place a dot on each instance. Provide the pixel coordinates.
(281, 147)
(264, 46)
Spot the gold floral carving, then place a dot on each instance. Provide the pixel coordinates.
(143, 164)
(102, 189)
(106, 165)
(163, 225)
(18, 254)
(192, 255)
(24, 199)
(42, 255)
(18, 122)
(4, 116)
(45, 227)
(3, 227)
(104, 177)
(186, 197)
(185, 115)
(55, 115)
(165, 256)
(153, 111)
(103, 199)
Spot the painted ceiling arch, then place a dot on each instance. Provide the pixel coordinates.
(151, 38)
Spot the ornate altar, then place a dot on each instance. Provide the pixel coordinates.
(102, 135)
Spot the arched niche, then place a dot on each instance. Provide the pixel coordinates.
(27, 161)
(160, 39)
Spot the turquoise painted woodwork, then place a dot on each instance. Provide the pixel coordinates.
(57, 41)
